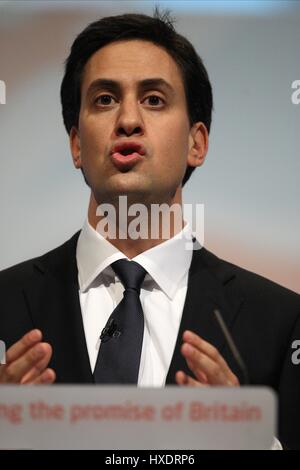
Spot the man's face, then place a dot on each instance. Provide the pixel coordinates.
(153, 115)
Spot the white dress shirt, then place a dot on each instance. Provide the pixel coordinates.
(162, 296)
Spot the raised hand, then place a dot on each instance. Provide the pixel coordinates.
(206, 364)
(27, 361)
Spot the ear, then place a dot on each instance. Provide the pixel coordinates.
(75, 147)
(198, 145)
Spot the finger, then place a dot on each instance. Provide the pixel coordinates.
(38, 368)
(47, 377)
(2, 372)
(199, 362)
(15, 371)
(198, 373)
(207, 348)
(20, 347)
(185, 380)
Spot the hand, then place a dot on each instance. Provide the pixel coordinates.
(205, 362)
(27, 360)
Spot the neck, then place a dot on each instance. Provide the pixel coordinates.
(133, 235)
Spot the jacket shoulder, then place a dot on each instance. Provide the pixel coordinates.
(252, 285)
(23, 271)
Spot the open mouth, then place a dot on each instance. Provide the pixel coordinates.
(126, 154)
(128, 148)
(126, 159)
(128, 151)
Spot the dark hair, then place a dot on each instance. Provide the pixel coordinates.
(160, 31)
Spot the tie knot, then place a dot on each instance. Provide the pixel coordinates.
(130, 273)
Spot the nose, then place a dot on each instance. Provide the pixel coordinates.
(129, 120)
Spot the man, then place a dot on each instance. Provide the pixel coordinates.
(137, 107)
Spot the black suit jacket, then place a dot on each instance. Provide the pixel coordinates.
(263, 317)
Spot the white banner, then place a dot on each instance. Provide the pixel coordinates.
(100, 417)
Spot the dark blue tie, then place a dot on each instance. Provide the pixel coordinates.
(119, 355)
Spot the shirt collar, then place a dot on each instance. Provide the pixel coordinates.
(167, 263)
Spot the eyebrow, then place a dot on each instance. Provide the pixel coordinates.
(116, 86)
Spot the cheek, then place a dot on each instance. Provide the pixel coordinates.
(175, 151)
(91, 139)
(177, 135)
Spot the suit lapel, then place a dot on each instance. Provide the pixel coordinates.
(53, 301)
(211, 284)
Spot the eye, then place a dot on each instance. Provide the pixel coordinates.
(104, 100)
(155, 100)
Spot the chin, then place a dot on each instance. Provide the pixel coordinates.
(128, 183)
